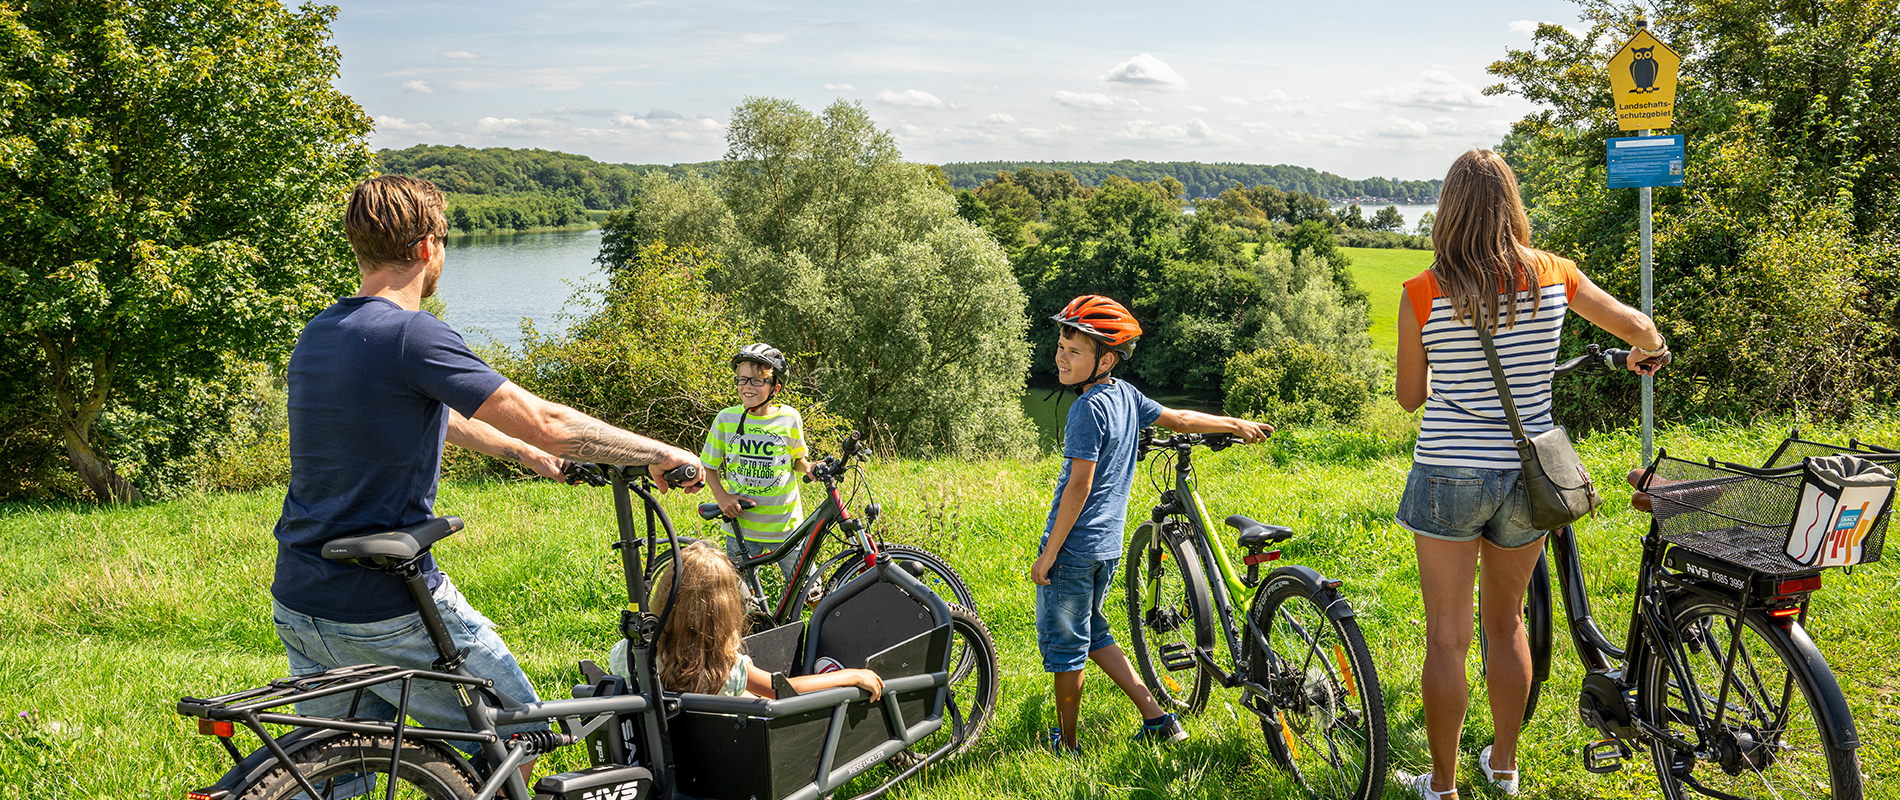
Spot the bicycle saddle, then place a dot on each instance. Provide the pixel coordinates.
(711, 510)
(1258, 534)
(402, 544)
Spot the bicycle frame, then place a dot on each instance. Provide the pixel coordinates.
(808, 537)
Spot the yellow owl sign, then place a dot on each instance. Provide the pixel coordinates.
(1643, 81)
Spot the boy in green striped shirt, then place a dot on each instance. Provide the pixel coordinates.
(754, 451)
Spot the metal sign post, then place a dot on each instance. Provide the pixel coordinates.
(1643, 84)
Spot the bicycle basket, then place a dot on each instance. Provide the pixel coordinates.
(1741, 517)
(1794, 448)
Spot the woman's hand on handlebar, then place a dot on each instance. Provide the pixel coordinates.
(1648, 366)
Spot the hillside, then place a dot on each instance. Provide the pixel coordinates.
(508, 171)
(1209, 180)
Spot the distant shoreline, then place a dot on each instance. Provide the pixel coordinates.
(511, 231)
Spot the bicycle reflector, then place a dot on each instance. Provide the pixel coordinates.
(1798, 585)
(219, 728)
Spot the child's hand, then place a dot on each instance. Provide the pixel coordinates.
(1039, 571)
(868, 681)
(729, 506)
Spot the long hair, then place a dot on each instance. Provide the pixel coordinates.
(702, 637)
(1481, 241)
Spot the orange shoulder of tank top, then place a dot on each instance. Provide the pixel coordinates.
(1422, 289)
(1553, 269)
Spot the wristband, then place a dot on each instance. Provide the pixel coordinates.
(1647, 353)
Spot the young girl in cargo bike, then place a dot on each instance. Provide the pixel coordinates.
(699, 651)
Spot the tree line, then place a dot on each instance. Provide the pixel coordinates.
(1200, 180)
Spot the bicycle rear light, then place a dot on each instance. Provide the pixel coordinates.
(1798, 585)
(207, 794)
(219, 728)
(1783, 613)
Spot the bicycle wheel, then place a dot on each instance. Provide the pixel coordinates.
(933, 571)
(1327, 720)
(354, 764)
(1169, 614)
(1771, 742)
(975, 693)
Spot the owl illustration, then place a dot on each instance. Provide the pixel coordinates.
(1643, 69)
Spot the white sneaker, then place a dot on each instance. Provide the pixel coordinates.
(1420, 786)
(1503, 780)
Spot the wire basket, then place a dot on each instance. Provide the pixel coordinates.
(1740, 517)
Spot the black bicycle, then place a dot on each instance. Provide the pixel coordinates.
(777, 602)
(1297, 654)
(795, 747)
(1716, 678)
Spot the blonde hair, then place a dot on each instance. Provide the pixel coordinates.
(1481, 241)
(702, 637)
(389, 212)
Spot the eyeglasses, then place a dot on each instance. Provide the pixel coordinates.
(418, 240)
(742, 380)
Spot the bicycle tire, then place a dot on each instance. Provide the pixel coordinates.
(1327, 725)
(424, 772)
(975, 694)
(1803, 760)
(1183, 616)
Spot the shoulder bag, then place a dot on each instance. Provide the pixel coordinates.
(1559, 489)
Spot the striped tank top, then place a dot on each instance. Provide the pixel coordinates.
(1464, 423)
(757, 464)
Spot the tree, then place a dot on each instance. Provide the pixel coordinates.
(1352, 217)
(902, 314)
(1425, 222)
(170, 179)
(1388, 219)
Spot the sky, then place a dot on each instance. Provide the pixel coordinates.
(1360, 89)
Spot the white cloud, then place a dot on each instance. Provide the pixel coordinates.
(840, 87)
(1440, 90)
(1000, 118)
(459, 55)
(1394, 127)
(1046, 135)
(512, 128)
(1524, 27)
(1198, 109)
(400, 125)
(418, 87)
(1239, 101)
(1147, 73)
(1094, 101)
(918, 134)
(670, 122)
(1196, 132)
(911, 98)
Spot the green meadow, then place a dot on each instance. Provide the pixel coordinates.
(110, 614)
(1381, 271)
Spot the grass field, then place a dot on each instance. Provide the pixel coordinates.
(109, 615)
(1380, 271)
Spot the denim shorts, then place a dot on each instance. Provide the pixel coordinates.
(314, 644)
(1459, 504)
(1069, 620)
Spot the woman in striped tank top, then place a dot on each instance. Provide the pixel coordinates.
(1462, 502)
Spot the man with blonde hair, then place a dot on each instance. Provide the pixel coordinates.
(376, 387)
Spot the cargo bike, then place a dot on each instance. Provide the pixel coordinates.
(642, 740)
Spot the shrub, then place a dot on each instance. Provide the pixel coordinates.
(1293, 383)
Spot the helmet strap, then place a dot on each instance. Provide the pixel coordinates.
(750, 410)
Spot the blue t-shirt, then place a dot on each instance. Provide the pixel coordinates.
(1104, 426)
(370, 384)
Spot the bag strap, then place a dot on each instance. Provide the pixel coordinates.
(1504, 386)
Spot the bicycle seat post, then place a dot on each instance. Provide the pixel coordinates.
(449, 658)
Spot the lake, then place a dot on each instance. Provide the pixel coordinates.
(491, 281)
(1410, 212)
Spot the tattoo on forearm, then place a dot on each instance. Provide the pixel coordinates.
(595, 441)
(512, 453)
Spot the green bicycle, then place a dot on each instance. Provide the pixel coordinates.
(1297, 654)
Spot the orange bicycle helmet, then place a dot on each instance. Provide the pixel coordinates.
(1103, 320)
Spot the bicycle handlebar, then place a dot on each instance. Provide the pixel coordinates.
(833, 467)
(1212, 441)
(1595, 355)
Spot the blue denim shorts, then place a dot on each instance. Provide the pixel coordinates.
(1459, 504)
(1069, 620)
(314, 644)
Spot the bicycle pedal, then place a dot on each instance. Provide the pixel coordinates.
(1176, 657)
(1604, 756)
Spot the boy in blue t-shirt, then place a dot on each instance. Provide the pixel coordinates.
(1082, 541)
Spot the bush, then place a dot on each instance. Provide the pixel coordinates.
(647, 352)
(1293, 383)
(1389, 240)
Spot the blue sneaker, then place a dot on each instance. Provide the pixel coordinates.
(1053, 743)
(1168, 731)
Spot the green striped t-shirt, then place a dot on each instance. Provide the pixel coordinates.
(758, 465)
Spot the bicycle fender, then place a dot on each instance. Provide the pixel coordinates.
(1833, 707)
(261, 760)
(1336, 606)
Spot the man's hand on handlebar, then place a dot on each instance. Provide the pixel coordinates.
(1250, 432)
(681, 470)
(547, 466)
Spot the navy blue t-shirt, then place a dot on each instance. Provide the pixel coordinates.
(1104, 426)
(371, 384)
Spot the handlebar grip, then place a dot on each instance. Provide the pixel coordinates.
(681, 475)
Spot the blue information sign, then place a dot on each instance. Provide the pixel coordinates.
(1638, 161)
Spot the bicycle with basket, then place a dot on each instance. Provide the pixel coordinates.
(1717, 677)
(642, 740)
